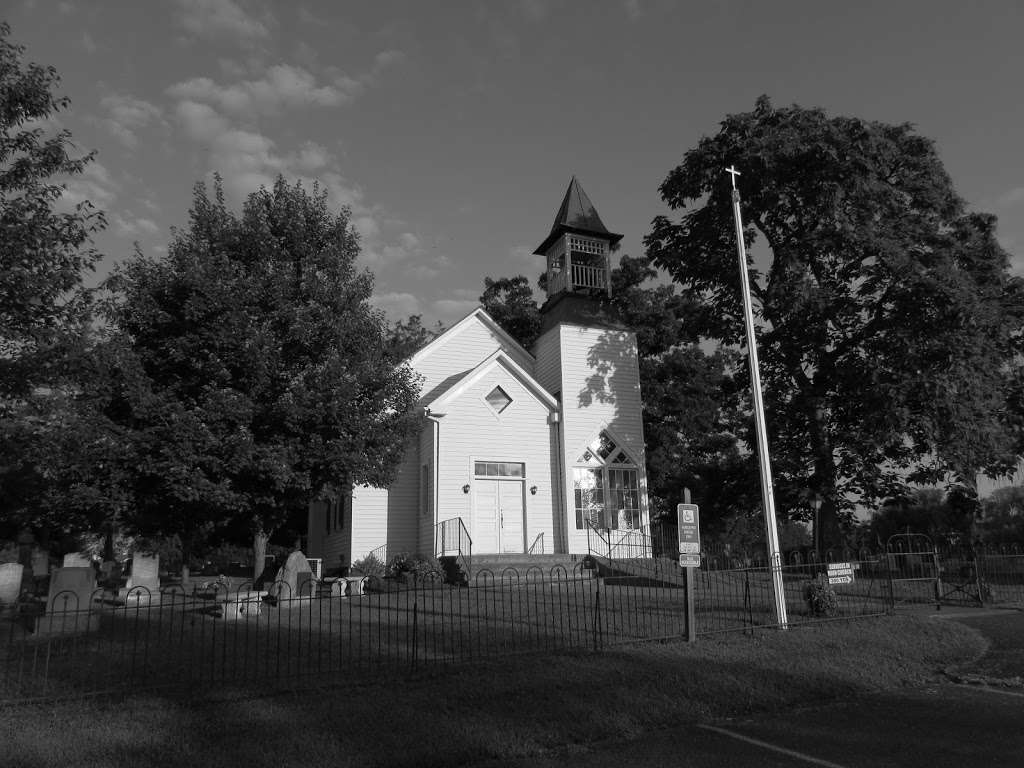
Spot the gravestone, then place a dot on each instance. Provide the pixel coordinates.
(293, 578)
(76, 560)
(40, 562)
(68, 605)
(146, 576)
(10, 583)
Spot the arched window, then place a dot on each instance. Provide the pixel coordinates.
(606, 485)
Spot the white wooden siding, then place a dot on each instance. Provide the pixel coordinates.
(472, 432)
(426, 517)
(600, 388)
(388, 515)
(547, 370)
(464, 350)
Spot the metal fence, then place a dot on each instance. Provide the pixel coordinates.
(189, 645)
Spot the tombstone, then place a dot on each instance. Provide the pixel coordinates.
(293, 578)
(10, 583)
(69, 603)
(146, 576)
(40, 562)
(77, 560)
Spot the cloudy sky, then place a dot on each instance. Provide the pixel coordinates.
(451, 129)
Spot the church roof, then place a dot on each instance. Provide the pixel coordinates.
(578, 216)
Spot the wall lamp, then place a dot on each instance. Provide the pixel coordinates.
(465, 488)
(533, 490)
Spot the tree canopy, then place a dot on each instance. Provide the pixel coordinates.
(251, 370)
(885, 311)
(45, 251)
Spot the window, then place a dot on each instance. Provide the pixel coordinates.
(498, 399)
(499, 469)
(606, 488)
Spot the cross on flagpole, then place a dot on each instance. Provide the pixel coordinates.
(767, 495)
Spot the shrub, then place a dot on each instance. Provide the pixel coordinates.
(406, 566)
(821, 599)
(369, 566)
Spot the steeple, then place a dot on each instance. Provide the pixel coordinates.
(578, 248)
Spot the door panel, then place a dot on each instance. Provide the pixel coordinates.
(510, 497)
(486, 516)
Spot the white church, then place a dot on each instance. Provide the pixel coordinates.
(519, 449)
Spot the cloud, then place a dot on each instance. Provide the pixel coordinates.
(220, 18)
(127, 116)
(88, 44)
(201, 122)
(633, 9)
(283, 88)
(133, 226)
(1011, 197)
(94, 184)
(396, 305)
(449, 310)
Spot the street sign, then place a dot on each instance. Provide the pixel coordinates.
(689, 528)
(689, 561)
(840, 573)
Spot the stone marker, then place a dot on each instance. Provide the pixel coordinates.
(40, 562)
(10, 583)
(74, 584)
(293, 578)
(76, 560)
(68, 606)
(145, 575)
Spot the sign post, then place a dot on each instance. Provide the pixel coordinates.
(688, 525)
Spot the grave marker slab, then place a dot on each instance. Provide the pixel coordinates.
(10, 583)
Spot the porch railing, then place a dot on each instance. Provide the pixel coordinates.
(452, 539)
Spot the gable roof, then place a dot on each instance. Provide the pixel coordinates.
(498, 359)
(478, 315)
(577, 215)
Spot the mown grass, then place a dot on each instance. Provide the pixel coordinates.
(516, 709)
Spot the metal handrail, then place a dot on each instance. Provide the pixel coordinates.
(533, 547)
(452, 536)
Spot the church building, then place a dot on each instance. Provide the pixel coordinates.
(519, 449)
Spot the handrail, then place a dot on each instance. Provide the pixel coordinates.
(380, 554)
(452, 536)
(540, 540)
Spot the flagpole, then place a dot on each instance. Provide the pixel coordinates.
(767, 495)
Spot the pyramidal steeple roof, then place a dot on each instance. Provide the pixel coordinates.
(579, 216)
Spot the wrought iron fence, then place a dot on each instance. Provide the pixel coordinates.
(215, 640)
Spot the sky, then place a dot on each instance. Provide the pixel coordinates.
(451, 129)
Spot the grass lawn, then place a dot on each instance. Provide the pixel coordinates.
(522, 707)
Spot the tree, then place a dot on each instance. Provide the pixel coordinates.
(509, 300)
(259, 379)
(44, 310)
(407, 337)
(885, 315)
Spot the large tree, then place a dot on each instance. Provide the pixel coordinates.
(45, 251)
(885, 311)
(257, 376)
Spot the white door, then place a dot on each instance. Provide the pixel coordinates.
(498, 516)
(510, 494)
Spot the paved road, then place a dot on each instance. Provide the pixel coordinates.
(945, 725)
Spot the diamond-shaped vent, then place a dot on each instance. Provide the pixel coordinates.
(498, 399)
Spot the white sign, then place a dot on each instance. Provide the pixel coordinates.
(840, 579)
(689, 561)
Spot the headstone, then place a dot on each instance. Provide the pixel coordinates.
(70, 590)
(76, 560)
(293, 578)
(68, 605)
(40, 562)
(10, 583)
(143, 583)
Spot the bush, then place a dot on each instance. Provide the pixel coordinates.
(369, 566)
(405, 566)
(821, 599)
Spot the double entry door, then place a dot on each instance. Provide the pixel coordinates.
(498, 516)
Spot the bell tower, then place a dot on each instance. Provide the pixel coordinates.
(587, 359)
(577, 252)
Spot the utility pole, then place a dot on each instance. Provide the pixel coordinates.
(767, 495)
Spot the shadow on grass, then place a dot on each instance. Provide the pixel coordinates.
(518, 708)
